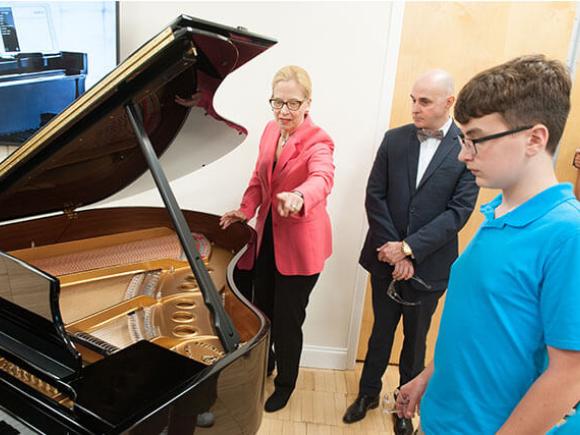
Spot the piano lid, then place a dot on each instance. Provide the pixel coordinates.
(89, 151)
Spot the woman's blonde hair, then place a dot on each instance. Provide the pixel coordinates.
(296, 73)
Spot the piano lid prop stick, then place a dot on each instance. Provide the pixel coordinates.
(223, 324)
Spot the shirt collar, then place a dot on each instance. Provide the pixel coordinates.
(534, 208)
(446, 126)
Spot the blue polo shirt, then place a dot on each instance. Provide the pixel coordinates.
(571, 425)
(514, 290)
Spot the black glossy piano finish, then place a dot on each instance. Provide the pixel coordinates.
(127, 320)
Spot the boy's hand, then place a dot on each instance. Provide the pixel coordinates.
(409, 396)
(576, 161)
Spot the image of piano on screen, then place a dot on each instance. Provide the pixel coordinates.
(50, 53)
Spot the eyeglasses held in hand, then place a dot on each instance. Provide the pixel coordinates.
(292, 105)
(469, 144)
(394, 294)
(390, 402)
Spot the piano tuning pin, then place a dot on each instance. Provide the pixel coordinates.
(209, 359)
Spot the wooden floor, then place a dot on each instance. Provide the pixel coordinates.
(319, 402)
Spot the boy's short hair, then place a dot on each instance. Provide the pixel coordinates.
(526, 90)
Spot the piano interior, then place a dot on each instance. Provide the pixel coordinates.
(137, 285)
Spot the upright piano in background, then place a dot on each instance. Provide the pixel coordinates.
(37, 86)
(127, 319)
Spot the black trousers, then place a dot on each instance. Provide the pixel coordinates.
(283, 299)
(416, 322)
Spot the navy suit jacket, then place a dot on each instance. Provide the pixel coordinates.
(428, 217)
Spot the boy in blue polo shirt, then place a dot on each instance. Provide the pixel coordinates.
(507, 358)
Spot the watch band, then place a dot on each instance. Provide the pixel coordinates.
(407, 249)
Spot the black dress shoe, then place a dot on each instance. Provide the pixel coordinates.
(277, 400)
(358, 410)
(402, 426)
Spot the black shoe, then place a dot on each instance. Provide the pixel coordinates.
(277, 400)
(402, 426)
(205, 419)
(358, 410)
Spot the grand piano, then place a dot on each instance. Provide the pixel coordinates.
(127, 319)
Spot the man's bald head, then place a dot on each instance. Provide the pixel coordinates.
(438, 79)
(432, 97)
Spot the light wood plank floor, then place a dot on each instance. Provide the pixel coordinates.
(319, 402)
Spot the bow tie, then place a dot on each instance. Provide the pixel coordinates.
(424, 134)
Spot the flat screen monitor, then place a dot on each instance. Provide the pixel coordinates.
(50, 53)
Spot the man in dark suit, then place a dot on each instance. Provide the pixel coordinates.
(419, 195)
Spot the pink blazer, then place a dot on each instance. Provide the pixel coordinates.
(302, 242)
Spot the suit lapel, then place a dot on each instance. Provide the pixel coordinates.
(287, 152)
(446, 145)
(413, 160)
(292, 146)
(270, 152)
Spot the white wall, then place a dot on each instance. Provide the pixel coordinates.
(350, 50)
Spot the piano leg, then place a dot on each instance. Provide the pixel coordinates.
(186, 410)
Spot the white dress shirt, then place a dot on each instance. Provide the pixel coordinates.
(427, 151)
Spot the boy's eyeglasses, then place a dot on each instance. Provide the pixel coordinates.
(394, 294)
(469, 144)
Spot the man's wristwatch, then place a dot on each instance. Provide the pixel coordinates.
(407, 249)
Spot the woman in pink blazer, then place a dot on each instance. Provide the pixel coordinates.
(293, 176)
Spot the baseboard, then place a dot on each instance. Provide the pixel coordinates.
(324, 357)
